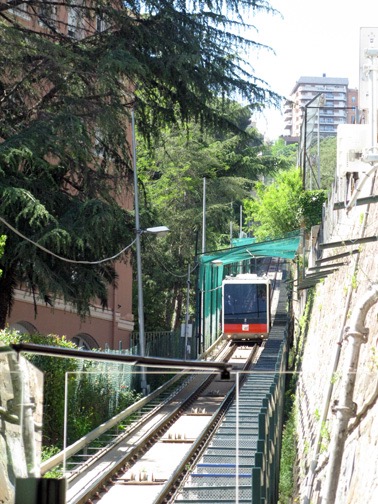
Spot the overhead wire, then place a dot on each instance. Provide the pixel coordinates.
(72, 261)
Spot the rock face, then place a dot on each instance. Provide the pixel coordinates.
(324, 366)
(21, 420)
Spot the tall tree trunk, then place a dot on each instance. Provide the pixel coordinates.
(178, 309)
(7, 286)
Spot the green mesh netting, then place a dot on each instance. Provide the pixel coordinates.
(238, 259)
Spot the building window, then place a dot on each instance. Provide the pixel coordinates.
(100, 24)
(85, 341)
(74, 24)
(21, 11)
(48, 15)
(24, 327)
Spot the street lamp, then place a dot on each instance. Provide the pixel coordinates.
(159, 230)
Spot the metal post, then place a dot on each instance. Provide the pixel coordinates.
(142, 345)
(373, 92)
(304, 150)
(241, 222)
(40, 490)
(204, 217)
(306, 107)
(202, 314)
(318, 148)
(187, 314)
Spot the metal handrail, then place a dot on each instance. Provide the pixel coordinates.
(81, 443)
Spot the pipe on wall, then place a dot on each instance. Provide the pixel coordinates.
(344, 407)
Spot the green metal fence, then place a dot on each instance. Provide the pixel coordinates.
(265, 473)
(214, 266)
(169, 344)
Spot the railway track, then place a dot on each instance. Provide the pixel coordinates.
(141, 462)
(156, 454)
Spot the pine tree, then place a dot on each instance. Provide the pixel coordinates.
(71, 73)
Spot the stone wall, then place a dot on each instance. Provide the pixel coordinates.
(323, 366)
(20, 421)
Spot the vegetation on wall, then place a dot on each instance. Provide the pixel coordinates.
(311, 206)
(288, 456)
(287, 488)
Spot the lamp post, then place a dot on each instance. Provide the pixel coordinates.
(305, 153)
(187, 315)
(159, 230)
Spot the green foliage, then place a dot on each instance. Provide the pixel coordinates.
(65, 114)
(311, 206)
(274, 211)
(325, 437)
(373, 361)
(89, 388)
(84, 413)
(283, 206)
(336, 376)
(288, 458)
(354, 282)
(48, 452)
(285, 152)
(173, 173)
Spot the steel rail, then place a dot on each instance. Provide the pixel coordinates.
(83, 442)
(144, 443)
(178, 477)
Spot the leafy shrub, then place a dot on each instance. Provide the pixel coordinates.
(95, 395)
(283, 206)
(310, 207)
(54, 370)
(274, 211)
(288, 457)
(91, 401)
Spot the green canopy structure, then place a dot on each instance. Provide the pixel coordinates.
(239, 258)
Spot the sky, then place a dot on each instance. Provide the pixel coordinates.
(310, 38)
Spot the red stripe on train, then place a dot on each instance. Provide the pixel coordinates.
(245, 328)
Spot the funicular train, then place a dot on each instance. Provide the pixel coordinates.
(246, 308)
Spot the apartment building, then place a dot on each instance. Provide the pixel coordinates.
(325, 101)
(110, 327)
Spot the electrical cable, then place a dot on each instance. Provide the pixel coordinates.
(60, 257)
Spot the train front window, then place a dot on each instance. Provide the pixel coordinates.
(245, 301)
